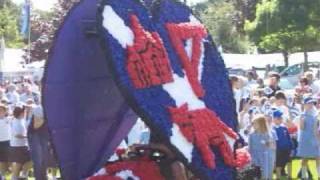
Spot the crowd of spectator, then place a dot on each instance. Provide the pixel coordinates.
(278, 125)
(24, 140)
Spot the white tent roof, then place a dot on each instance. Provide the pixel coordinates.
(36, 65)
(247, 61)
(13, 60)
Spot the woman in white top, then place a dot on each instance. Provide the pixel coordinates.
(4, 139)
(19, 153)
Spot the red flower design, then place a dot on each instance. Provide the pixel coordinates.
(204, 128)
(293, 129)
(120, 152)
(243, 158)
(147, 64)
(179, 33)
(144, 169)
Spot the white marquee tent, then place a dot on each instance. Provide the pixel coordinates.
(247, 61)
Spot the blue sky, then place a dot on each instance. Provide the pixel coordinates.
(47, 4)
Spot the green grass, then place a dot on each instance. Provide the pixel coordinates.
(8, 177)
(296, 166)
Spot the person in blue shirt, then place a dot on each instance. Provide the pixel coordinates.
(308, 146)
(284, 143)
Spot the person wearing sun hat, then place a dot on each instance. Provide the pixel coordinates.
(308, 146)
(283, 141)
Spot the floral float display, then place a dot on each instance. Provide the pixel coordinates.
(170, 72)
(245, 169)
(243, 158)
(134, 170)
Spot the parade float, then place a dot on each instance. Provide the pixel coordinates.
(114, 60)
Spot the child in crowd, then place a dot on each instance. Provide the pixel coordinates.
(269, 118)
(250, 110)
(264, 104)
(262, 146)
(293, 132)
(303, 87)
(284, 144)
(4, 140)
(295, 109)
(19, 153)
(308, 146)
(237, 93)
(260, 83)
(281, 104)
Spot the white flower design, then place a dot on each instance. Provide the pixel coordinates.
(126, 174)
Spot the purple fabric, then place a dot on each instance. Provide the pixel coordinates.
(87, 116)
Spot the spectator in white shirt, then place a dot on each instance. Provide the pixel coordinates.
(252, 82)
(237, 92)
(2, 94)
(281, 104)
(4, 140)
(19, 153)
(12, 94)
(28, 94)
(314, 86)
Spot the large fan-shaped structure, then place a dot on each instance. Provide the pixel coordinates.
(87, 116)
(167, 68)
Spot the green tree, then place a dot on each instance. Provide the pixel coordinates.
(221, 18)
(301, 20)
(9, 28)
(279, 41)
(286, 26)
(8, 4)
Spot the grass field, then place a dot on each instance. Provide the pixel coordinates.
(295, 169)
(297, 165)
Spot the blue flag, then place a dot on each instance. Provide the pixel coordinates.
(25, 18)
